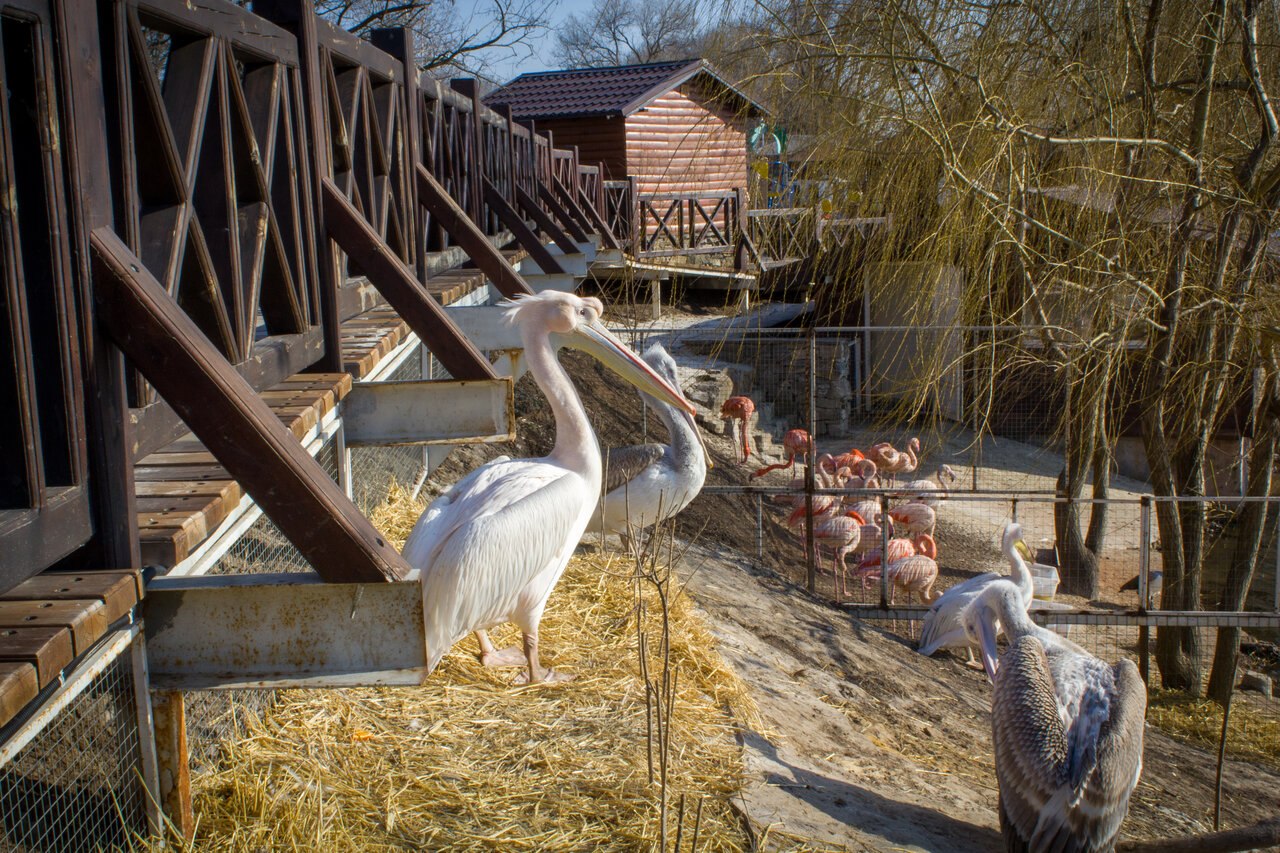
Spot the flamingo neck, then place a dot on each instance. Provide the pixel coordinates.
(576, 447)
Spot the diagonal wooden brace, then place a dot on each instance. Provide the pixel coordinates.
(355, 236)
(468, 235)
(523, 233)
(546, 222)
(233, 422)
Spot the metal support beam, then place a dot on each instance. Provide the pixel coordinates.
(514, 222)
(468, 235)
(487, 326)
(283, 630)
(233, 422)
(429, 412)
(562, 282)
(351, 231)
(545, 221)
(170, 713)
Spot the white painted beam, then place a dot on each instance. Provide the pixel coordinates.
(283, 630)
(418, 412)
(564, 283)
(487, 326)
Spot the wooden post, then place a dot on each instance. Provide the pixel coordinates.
(168, 709)
(239, 429)
(467, 235)
(298, 17)
(394, 281)
(398, 42)
(106, 405)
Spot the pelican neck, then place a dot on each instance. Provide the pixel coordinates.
(576, 447)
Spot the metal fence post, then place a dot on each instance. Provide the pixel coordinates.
(811, 549)
(760, 528)
(1144, 565)
(884, 551)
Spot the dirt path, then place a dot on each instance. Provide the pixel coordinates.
(865, 745)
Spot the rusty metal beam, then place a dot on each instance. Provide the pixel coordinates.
(283, 630)
(237, 427)
(433, 411)
(170, 715)
(468, 235)
(355, 236)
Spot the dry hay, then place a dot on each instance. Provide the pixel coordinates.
(1251, 734)
(469, 762)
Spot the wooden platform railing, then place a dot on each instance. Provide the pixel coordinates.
(249, 164)
(706, 223)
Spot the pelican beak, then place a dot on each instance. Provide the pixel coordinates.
(990, 654)
(1024, 550)
(596, 341)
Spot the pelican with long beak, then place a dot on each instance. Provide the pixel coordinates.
(493, 546)
(1067, 730)
(647, 483)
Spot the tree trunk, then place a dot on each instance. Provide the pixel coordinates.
(1244, 561)
(1077, 562)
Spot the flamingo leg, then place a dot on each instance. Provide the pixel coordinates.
(537, 673)
(490, 656)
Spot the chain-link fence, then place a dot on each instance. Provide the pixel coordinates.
(77, 784)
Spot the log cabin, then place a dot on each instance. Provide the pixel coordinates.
(678, 128)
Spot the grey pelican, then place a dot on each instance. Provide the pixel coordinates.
(492, 547)
(1067, 730)
(943, 627)
(646, 483)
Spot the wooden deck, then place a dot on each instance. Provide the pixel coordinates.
(52, 619)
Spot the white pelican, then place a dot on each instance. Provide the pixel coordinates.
(1067, 730)
(646, 480)
(492, 547)
(943, 627)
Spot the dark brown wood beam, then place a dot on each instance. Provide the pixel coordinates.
(1261, 835)
(562, 212)
(593, 216)
(468, 235)
(234, 423)
(546, 222)
(355, 236)
(514, 222)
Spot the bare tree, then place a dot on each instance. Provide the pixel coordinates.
(1106, 175)
(448, 36)
(621, 32)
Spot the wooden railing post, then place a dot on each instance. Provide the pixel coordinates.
(398, 42)
(106, 406)
(298, 17)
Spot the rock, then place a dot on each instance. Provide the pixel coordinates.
(1257, 682)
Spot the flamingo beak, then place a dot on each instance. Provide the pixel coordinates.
(990, 654)
(599, 343)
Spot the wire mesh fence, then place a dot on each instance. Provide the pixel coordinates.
(78, 784)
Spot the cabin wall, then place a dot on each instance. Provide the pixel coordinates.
(681, 144)
(599, 140)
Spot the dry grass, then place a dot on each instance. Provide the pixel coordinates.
(468, 762)
(1252, 734)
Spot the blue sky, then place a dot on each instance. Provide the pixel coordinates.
(537, 57)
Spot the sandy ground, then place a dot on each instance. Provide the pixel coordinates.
(866, 745)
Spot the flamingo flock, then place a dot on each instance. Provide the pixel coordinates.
(1067, 727)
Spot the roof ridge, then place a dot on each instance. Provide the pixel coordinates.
(596, 69)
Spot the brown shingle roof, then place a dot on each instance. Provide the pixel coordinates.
(614, 91)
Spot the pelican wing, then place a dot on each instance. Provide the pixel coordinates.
(1030, 750)
(624, 464)
(943, 626)
(482, 544)
(1065, 786)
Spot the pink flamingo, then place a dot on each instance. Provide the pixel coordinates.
(914, 517)
(850, 459)
(796, 443)
(894, 462)
(929, 492)
(839, 532)
(916, 573)
(740, 408)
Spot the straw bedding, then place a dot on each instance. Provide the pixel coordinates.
(469, 762)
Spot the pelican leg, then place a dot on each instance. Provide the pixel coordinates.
(536, 673)
(490, 656)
